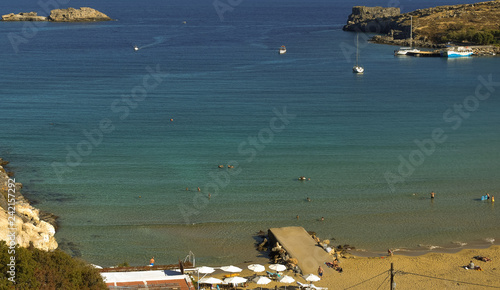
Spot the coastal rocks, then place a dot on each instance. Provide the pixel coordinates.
(77, 15)
(371, 19)
(452, 24)
(84, 14)
(25, 222)
(23, 16)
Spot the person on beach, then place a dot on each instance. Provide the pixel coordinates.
(320, 271)
(432, 195)
(152, 261)
(391, 253)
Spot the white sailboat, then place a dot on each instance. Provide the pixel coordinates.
(357, 68)
(405, 50)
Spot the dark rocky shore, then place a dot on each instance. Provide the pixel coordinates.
(84, 14)
(438, 27)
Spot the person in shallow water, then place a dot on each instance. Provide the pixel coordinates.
(152, 261)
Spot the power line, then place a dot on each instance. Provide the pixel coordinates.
(475, 284)
(383, 281)
(367, 280)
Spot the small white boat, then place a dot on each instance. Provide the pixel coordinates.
(282, 49)
(405, 50)
(136, 48)
(357, 68)
(457, 52)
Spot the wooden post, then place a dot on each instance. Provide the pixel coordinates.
(392, 276)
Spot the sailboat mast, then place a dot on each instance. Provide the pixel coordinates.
(411, 30)
(357, 47)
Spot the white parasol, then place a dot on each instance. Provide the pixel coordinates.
(277, 267)
(287, 280)
(210, 280)
(231, 269)
(235, 280)
(204, 270)
(257, 268)
(311, 278)
(261, 280)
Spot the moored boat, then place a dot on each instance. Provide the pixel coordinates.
(357, 68)
(406, 50)
(457, 52)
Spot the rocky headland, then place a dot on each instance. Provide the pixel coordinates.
(28, 225)
(84, 14)
(466, 24)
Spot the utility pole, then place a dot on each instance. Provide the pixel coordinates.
(393, 284)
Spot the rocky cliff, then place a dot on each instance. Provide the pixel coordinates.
(84, 14)
(371, 19)
(21, 221)
(471, 23)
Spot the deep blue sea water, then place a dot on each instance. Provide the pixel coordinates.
(86, 124)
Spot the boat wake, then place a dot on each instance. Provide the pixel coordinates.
(157, 40)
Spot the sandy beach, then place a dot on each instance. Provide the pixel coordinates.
(429, 271)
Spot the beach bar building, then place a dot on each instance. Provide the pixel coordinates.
(153, 279)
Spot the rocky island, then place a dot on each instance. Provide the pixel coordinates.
(466, 24)
(84, 14)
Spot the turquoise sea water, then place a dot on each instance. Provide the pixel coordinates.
(85, 121)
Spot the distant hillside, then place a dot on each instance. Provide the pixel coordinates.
(477, 23)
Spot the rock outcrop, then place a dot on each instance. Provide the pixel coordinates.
(23, 221)
(429, 26)
(371, 19)
(84, 14)
(30, 16)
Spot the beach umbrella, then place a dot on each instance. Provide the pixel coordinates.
(277, 267)
(261, 280)
(231, 269)
(311, 278)
(287, 280)
(210, 280)
(204, 270)
(257, 268)
(235, 280)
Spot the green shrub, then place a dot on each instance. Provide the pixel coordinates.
(37, 269)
